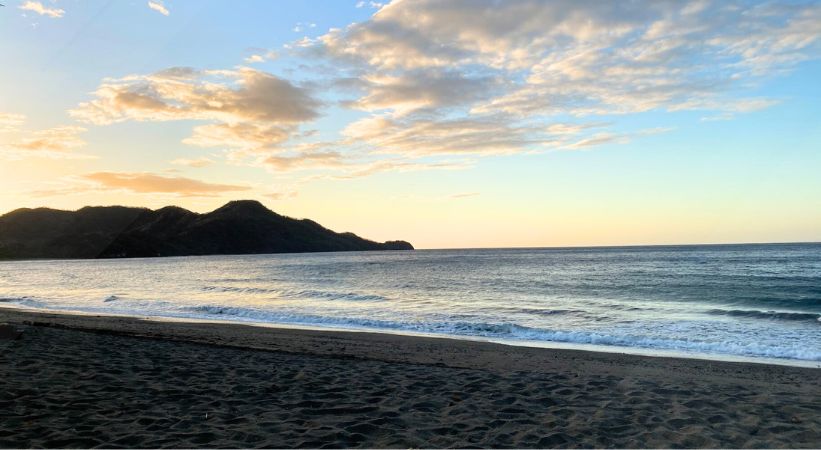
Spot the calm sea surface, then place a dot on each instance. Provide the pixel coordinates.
(760, 301)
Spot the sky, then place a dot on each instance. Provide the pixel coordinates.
(450, 124)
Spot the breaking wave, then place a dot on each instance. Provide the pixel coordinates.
(514, 332)
(768, 315)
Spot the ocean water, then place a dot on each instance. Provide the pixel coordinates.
(752, 301)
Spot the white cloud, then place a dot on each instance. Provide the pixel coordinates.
(159, 6)
(37, 7)
(261, 56)
(371, 4)
(300, 26)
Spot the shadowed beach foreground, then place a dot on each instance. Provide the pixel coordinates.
(86, 381)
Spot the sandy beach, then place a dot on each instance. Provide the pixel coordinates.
(93, 381)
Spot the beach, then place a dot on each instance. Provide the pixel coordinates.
(106, 381)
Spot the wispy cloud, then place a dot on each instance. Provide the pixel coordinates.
(59, 139)
(370, 4)
(427, 137)
(195, 163)
(39, 8)
(10, 122)
(599, 139)
(53, 143)
(310, 160)
(464, 195)
(301, 26)
(149, 183)
(159, 6)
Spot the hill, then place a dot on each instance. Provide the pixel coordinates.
(239, 227)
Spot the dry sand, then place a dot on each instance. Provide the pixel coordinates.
(88, 381)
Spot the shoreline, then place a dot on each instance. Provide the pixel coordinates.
(363, 344)
(547, 345)
(105, 381)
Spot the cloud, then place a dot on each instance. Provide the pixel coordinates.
(300, 26)
(148, 183)
(59, 139)
(182, 93)
(743, 105)
(426, 137)
(371, 4)
(10, 122)
(241, 136)
(583, 58)
(560, 129)
(599, 139)
(248, 109)
(53, 143)
(261, 55)
(472, 78)
(606, 137)
(281, 195)
(464, 195)
(304, 161)
(37, 7)
(157, 5)
(368, 169)
(196, 163)
(483, 77)
(413, 91)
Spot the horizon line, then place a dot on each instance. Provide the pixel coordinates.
(571, 247)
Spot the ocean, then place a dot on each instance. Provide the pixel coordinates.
(760, 302)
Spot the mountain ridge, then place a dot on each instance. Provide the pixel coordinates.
(238, 227)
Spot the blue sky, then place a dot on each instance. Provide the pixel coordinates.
(450, 124)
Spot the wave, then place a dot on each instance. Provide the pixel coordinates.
(738, 346)
(511, 331)
(330, 295)
(768, 315)
(243, 290)
(25, 301)
(299, 293)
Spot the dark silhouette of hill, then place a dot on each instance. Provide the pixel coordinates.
(239, 227)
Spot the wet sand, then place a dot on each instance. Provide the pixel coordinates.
(89, 381)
